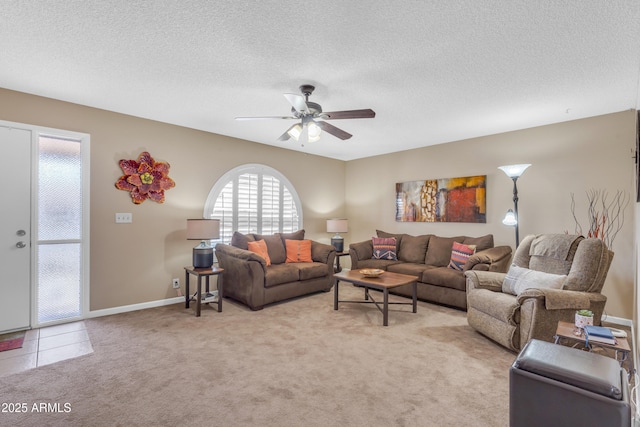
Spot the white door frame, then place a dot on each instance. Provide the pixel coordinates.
(36, 132)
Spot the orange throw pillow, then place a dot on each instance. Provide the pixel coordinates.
(260, 248)
(298, 250)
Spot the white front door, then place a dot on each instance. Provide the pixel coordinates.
(15, 229)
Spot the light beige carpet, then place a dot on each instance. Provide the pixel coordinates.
(298, 363)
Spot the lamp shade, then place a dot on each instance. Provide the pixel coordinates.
(510, 218)
(203, 229)
(514, 171)
(337, 225)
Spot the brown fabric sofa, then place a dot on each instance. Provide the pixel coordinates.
(248, 279)
(427, 256)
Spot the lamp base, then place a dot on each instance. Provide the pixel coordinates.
(338, 243)
(202, 257)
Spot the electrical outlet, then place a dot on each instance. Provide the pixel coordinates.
(175, 283)
(124, 218)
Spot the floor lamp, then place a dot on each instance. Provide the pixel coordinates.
(511, 218)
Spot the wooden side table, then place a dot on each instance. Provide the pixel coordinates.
(338, 268)
(567, 333)
(200, 273)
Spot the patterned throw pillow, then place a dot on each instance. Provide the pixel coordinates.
(384, 248)
(260, 248)
(460, 254)
(298, 250)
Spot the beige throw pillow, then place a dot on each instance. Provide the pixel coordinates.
(518, 279)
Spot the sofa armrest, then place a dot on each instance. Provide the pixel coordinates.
(360, 251)
(495, 259)
(484, 280)
(228, 251)
(243, 276)
(321, 252)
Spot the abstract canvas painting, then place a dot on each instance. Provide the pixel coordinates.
(442, 200)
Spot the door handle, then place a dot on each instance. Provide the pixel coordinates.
(21, 245)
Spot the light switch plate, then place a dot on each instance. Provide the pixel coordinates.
(124, 218)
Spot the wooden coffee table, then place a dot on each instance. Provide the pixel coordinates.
(382, 283)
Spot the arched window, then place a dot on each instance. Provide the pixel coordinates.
(254, 198)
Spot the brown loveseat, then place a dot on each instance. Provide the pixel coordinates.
(428, 257)
(248, 279)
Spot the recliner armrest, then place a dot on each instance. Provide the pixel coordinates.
(559, 299)
(484, 280)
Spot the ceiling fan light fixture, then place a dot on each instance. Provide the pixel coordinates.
(314, 131)
(295, 132)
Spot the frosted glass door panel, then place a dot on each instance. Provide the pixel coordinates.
(59, 229)
(59, 281)
(60, 189)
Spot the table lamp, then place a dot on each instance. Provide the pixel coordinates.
(204, 230)
(337, 225)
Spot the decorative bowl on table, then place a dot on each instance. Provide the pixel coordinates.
(371, 272)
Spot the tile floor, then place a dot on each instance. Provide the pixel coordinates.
(45, 346)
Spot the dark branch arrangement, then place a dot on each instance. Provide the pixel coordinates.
(605, 217)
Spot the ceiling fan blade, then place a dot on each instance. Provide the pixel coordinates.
(298, 102)
(350, 114)
(266, 118)
(329, 128)
(285, 136)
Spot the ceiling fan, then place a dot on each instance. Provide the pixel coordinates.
(309, 127)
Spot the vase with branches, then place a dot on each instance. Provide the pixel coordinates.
(605, 215)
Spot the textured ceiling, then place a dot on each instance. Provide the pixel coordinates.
(434, 71)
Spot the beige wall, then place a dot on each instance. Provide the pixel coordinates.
(134, 263)
(571, 157)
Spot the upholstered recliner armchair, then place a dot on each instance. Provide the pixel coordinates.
(552, 276)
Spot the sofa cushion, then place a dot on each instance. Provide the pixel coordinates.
(518, 279)
(460, 254)
(278, 274)
(398, 237)
(312, 270)
(298, 250)
(240, 240)
(260, 248)
(410, 268)
(439, 250)
(377, 263)
(413, 248)
(445, 277)
(275, 246)
(296, 235)
(481, 243)
(384, 248)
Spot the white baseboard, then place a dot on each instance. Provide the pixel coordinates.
(617, 320)
(134, 307)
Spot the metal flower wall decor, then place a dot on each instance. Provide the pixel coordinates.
(145, 178)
